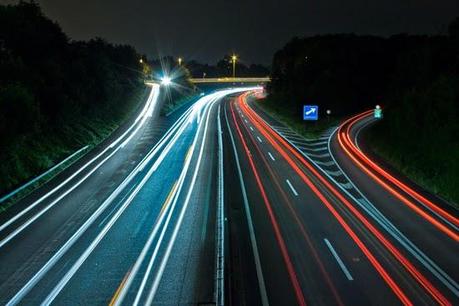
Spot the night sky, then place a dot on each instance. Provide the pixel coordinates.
(205, 30)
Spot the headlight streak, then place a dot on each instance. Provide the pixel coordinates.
(168, 211)
(208, 103)
(58, 288)
(150, 103)
(72, 240)
(178, 127)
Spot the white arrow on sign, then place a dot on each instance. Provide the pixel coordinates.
(311, 111)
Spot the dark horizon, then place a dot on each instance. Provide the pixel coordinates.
(259, 28)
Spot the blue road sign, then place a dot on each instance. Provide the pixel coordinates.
(310, 112)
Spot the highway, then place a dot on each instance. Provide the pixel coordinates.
(325, 231)
(127, 222)
(219, 203)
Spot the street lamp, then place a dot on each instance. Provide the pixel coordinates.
(166, 81)
(141, 61)
(233, 59)
(180, 61)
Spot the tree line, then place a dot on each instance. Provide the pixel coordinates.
(53, 90)
(415, 78)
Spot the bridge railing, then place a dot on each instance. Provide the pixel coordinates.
(231, 80)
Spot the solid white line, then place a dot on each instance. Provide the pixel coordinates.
(62, 283)
(356, 137)
(383, 221)
(270, 155)
(145, 111)
(178, 224)
(208, 103)
(291, 187)
(72, 240)
(338, 259)
(394, 231)
(220, 269)
(259, 139)
(253, 240)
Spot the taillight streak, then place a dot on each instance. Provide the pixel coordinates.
(265, 129)
(280, 240)
(354, 153)
(297, 220)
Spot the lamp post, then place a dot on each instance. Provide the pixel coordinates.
(233, 59)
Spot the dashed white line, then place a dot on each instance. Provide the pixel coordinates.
(251, 128)
(259, 139)
(291, 187)
(271, 156)
(245, 120)
(338, 259)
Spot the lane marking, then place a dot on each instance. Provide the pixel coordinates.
(291, 187)
(259, 139)
(251, 128)
(270, 155)
(369, 207)
(338, 259)
(220, 260)
(275, 225)
(248, 214)
(72, 240)
(377, 265)
(118, 290)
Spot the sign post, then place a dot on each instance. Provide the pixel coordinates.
(378, 112)
(311, 112)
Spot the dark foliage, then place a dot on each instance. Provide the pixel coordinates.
(414, 78)
(50, 84)
(347, 73)
(224, 68)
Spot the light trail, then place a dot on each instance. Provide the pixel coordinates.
(267, 131)
(354, 153)
(286, 257)
(422, 280)
(295, 216)
(140, 120)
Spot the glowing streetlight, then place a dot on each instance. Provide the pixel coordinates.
(234, 59)
(180, 60)
(166, 81)
(141, 61)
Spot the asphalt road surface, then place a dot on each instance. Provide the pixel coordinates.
(219, 203)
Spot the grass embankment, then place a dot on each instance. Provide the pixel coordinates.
(31, 155)
(173, 104)
(293, 119)
(422, 142)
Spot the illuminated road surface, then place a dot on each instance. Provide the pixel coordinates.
(135, 225)
(327, 232)
(161, 212)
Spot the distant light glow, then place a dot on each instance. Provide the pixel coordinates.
(166, 81)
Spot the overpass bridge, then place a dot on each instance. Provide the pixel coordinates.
(230, 80)
(223, 80)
